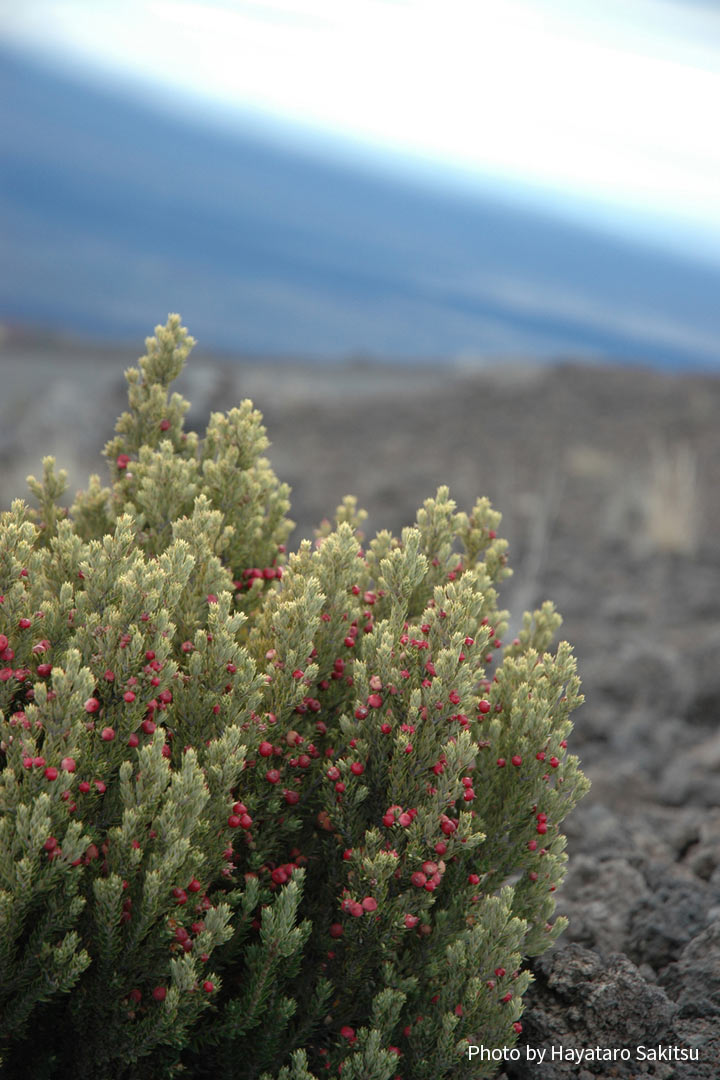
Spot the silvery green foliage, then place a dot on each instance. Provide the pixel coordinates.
(265, 815)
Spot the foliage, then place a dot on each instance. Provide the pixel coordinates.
(265, 816)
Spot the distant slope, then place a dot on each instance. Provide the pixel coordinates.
(113, 214)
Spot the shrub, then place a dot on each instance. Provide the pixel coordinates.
(265, 816)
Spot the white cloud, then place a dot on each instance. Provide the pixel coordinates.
(613, 102)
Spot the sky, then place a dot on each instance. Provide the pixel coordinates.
(610, 104)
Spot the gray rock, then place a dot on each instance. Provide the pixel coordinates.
(580, 1000)
(597, 898)
(664, 921)
(693, 982)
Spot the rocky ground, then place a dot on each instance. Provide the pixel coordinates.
(608, 480)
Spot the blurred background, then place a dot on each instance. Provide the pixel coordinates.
(473, 243)
(392, 178)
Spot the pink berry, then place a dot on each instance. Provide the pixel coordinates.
(92, 705)
(516, 760)
(51, 773)
(208, 987)
(370, 903)
(68, 764)
(357, 768)
(107, 734)
(128, 696)
(159, 993)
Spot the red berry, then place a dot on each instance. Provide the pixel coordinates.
(411, 921)
(50, 844)
(128, 696)
(148, 726)
(107, 734)
(265, 749)
(159, 993)
(83, 786)
(375, 701)
(516, 760)
(272, 776)
(336, 930)
(357, 768)
(51, 773)
(68, 764)
(133, 740)
(234, 821)
(194, 885)
(500, 763)
(370, 903)
(92, 705)
(24, 624)
(208, 987)
(135, 996)
(483, 706)
(554, 762)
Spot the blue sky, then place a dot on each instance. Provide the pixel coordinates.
(606, 108)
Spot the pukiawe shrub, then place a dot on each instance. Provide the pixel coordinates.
(265, 815)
